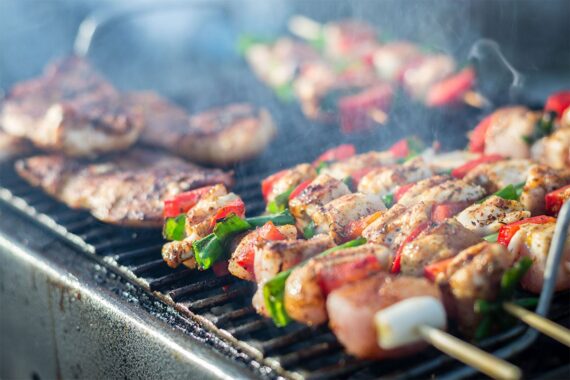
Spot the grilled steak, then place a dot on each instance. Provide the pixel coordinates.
(70, 109)
(126, 189)
(218, 136)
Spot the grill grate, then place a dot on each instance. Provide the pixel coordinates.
(225, 302)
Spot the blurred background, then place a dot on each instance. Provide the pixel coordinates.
(182, 41)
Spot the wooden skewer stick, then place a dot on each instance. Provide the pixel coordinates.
(544, 325)
(469, 354)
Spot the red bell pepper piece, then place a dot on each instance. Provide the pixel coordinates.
(181, 203)
(402, 190)
(555, 199)
(433, 270)
(333, 277)
(558, 103)
(339, 153)
(270, 232)
(451, 89)
(507, 232)
(268, 183)
(443, 211)
(411, 237)
(462, 171)
(234, 207)
(357, 112)
(358, 174)
(477, 138)
(302, 186)
(353, 229)
(400, 149)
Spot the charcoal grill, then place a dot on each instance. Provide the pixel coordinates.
(215, 323)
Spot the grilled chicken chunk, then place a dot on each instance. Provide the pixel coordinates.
(554, 150)
(533, 240)
(541, 180)
(320, 191)
(126, 189)
(351, 311)
(275, 257)
(218, 136)
(199, 221)
(391, 59)
(496, 175)
(392, 227)
(384, 181)
(12, 146)
(358, 164)
(336, 216)
(488, 217)
(439, 243)
(308, 286)
(70, 109)
(242, 261)
(474, 274)
(507, 130)
(287, 179)
(453, 190)
(422, 73)
(440, 162)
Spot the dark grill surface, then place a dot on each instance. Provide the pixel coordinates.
(223, 304)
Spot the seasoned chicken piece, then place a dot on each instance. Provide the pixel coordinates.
(391, 59)
(320, 191)
(540, 181)
(438, 243)
(507, 130)
(219, 136)
(285, 180)
(351, 311)
(474, 274)
(358, 164)
(553, 150)
(199, 221)
(533, 240)
(308, 286)
(70, 109)
(486, 218)
(422, 73)
(384, 181)
(440, 162)
(453, 190)
(277, 256)
(11, 146)
(422, 186)
(496, 175)
(394, 226)
(336, 216)
(126, 189)
(242, 261)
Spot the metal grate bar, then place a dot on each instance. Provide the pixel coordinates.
(169, 279)
(187, 290)
(217, 299)
(249, 327)
(314, 351)
(147, 267)
(234, 314)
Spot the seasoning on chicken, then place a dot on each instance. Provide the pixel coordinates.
(274, 257)
(357, 166)
(286, 180)
(452, 190)
(554, 150)
(540, 181)
(487, 217)
(70, 109)
(125, 189)
(494, 176)
(351, 311)
(308, 286)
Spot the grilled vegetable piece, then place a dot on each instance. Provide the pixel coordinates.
(433, 245)
(337, 216)
(219, 136)
(554, 150)
(386, 180)
(462, 170)
(487, 218)
(71, 109)
(307, 287)
(351, 311)
(125, 189)
(319, 192)
(558, 103)
(348, 39)
(542, 180)
(278, 256)
(497, 175)
(555, 199)
(451, 190)
(391, 59)
(475, 273)
(286, 180)
(451, 89)
(507, 231)
(422, 74)
(533, 240)
(242, 261)
(181, 203)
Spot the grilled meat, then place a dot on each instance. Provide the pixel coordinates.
(349, 39)
(496, 175)
(554, 150)
(453, 190)
(285, 180)
(383, 181)
(487, 217)
(391, 59)
(424, 72)
(507, 130)
(218, 136)
(541, 180)
(71, 109)
(126, 189)
(308, 286)
(441, 242)
(360, 163)
(351, 311)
